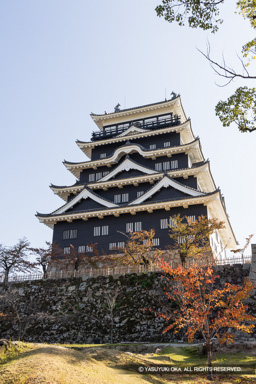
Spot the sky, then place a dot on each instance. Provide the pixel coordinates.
(62, 60)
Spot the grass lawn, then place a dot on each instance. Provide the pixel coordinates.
(104, 364)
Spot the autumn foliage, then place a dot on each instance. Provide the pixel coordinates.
(202, 307)
(138, 248)
(192, 238)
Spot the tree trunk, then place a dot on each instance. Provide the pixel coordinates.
(209, 354)
(6, 277)
(183, 256)
(45, 274)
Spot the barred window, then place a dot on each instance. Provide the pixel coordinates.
(98, 175)
(117, 199)
(121, 244)
(138, 226)
(152, 146)
(171, 223)
(125, 197)
(166, 165)
(70, 234)
(73, 233)
(156, 241)
(167, 144)
(140, 193)
(112, 245)
(174, 164)
(81, 249)
(181, 239)
(192, 218)
(164, 223)
(91, 177)
(103, 155)
(96, 231)
(104, 230)
(89, 249)
(129, 227)
(158, 167)
(105, 173)
(65, 235)
(66, 250)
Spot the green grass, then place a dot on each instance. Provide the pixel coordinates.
(104, 364)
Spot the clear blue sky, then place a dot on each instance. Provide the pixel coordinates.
(61, 60)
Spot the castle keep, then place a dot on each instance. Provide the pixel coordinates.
(145, 165)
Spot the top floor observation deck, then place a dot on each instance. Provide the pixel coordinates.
(152, 123)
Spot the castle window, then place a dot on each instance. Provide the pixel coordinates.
(171, 223)
(66, 250)
(139, 193)
(104, 230)
(125, 197)
(121, 198)
(136, 227)
(152, 146)
(105, 173)
(117, 199)
(166, 165)
(121, 244)
(112, 246)
(103, 155)
(192, 218)
(70, 234)
(81, 249)
(65, 235)
(158, 166)
(156, 241)
(181, 239)
(91, 177)
(73, 233)
(167, 144)
(174, 164)
(100, 231)
(89, 249)
(164, 223)
(98, 175)
(129, 227)
(96, 231)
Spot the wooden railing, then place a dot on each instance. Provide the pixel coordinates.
(116, 271)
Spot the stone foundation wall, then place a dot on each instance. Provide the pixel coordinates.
(77, 310)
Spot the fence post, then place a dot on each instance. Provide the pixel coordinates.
(252, 274)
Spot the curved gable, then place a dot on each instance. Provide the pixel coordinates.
(85, 194)
(167, 182)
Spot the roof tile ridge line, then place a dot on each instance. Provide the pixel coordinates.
(138, 145)
(138, 205)
(132, 108)
(65, 186)
(146, 131)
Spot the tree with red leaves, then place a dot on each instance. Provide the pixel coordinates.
(204, 308)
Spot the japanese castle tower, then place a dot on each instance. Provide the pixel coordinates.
(145, 165)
